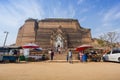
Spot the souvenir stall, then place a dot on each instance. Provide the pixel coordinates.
(31, 52)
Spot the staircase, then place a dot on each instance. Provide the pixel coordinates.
(63, 56)
(60, 58)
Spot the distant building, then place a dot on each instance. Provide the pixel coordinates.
(53, 32)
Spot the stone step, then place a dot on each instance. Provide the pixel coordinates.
(62, 61)
(64, 56)
(60, 56)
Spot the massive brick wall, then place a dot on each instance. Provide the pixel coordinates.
(55, 23)
(42, 32)
(26, 33)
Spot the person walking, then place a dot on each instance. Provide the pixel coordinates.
(67, 57)
(51, 55)
(81, 55)
(59, 50)
(70, 56)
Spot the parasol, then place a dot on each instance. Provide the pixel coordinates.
(30, 45)
(83, 47)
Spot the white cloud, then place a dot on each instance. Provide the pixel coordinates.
(80, 2)
(29, 9)
(83, 10)
(117, 16)
(112, 14)
(13, 15)
(82, 19)
(110, 20)
(68, 12)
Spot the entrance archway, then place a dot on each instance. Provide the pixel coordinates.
(59, 42)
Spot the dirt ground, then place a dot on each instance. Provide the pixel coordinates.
(60, 71)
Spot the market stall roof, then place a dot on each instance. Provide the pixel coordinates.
(3, 49)
(8, 48)
(30, 45)
(83, 47)
(14, 47)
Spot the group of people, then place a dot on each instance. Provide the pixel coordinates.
(69, 56)
(81, 55)
(17, 54)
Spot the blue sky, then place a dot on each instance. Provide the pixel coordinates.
(101, 16)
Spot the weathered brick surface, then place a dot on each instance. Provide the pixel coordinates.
(44, 33)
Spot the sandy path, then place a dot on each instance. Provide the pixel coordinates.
(60, 71)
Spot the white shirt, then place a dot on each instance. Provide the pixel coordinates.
(69, 53)
(49, 52)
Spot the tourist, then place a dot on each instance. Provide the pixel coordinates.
(18, 56)
(15, 52)
(70, 56)
(51, 55)
(49, 51)
(67, 57)
(80, 55)
(59, 50)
